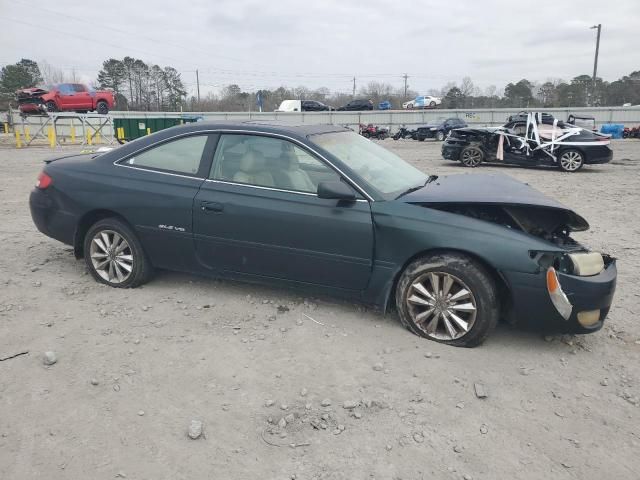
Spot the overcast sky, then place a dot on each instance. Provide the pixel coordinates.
(264, 44)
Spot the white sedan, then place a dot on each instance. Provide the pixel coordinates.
(422, 101)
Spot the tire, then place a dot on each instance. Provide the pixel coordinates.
(440, 136)
(51, 106)
(102, 108)
(571, 160)
(471, 156)
(432, 104)
(421, 139)
(476, 313)
(133, 267)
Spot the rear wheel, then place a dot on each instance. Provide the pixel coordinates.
(102, 108)
(114, 255)
(471, 156)
(448, 298)
(571, 160)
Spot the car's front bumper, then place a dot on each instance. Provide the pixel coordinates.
(531, 304)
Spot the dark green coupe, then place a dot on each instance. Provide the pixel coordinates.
(322, 208)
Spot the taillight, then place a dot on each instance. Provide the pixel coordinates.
(44, 181)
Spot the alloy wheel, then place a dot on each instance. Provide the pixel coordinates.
(472, 157)
(441, 305)
(571, 161)
(111, 256)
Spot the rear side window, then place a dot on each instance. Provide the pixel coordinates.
(179, 156)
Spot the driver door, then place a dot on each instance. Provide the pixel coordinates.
(259, 214)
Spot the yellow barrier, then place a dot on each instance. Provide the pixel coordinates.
(89, 138)
(27, 134)
(73, 134)
(148, 131)
(52, 137)
(96, 138)
(6, 127)
(18, 140)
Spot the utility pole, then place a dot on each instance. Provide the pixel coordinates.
(354, 87)
(595, 65)
(198, 85)
(406, 77)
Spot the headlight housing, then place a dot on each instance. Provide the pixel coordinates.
(586, 264)
(581, 264)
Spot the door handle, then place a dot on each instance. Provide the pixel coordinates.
(214, 207)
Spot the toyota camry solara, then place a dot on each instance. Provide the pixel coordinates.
(322, 208)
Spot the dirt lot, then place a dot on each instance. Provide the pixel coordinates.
(134, 367)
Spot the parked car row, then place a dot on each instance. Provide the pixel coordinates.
(358, 104)
(437, 130)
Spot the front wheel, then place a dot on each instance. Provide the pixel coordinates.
(51, 106)
(449, 298)
(571, 160)
(114, 255)
(471, 156)
(440, 136)
(432, 104)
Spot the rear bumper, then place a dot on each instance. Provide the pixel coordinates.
(531, 305)
(49, 219)
(598, 154)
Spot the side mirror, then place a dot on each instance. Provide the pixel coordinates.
(336, 191)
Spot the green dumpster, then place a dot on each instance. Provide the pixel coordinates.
(127, 129)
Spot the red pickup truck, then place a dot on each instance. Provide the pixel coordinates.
(65, 97)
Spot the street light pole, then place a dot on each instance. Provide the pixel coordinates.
(595, 65)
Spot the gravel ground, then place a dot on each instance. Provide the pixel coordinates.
(269, 373)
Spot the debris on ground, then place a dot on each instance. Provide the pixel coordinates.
(195, 429)
(49, 358)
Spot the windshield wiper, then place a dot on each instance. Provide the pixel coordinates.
(429, 179)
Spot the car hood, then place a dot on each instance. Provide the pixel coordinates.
(491, 189)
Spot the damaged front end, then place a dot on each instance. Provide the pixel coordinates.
(561, 286)
(550, 224)
(31, 100)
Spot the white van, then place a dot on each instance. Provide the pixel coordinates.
(290, 106)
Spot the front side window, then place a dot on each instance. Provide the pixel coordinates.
(268, 162)
(65, 89)
(179, 156)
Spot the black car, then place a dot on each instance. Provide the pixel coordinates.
(355, 105)
(529, 142)
(439, 129)
(314, 106)
(319, 207)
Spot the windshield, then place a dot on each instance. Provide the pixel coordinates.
(384, 171)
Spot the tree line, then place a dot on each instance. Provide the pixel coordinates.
(140, 85)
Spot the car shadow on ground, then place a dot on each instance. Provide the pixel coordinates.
(542, 168)
(504, 333)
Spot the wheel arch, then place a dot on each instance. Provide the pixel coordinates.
(504, 291)
(84, 224)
